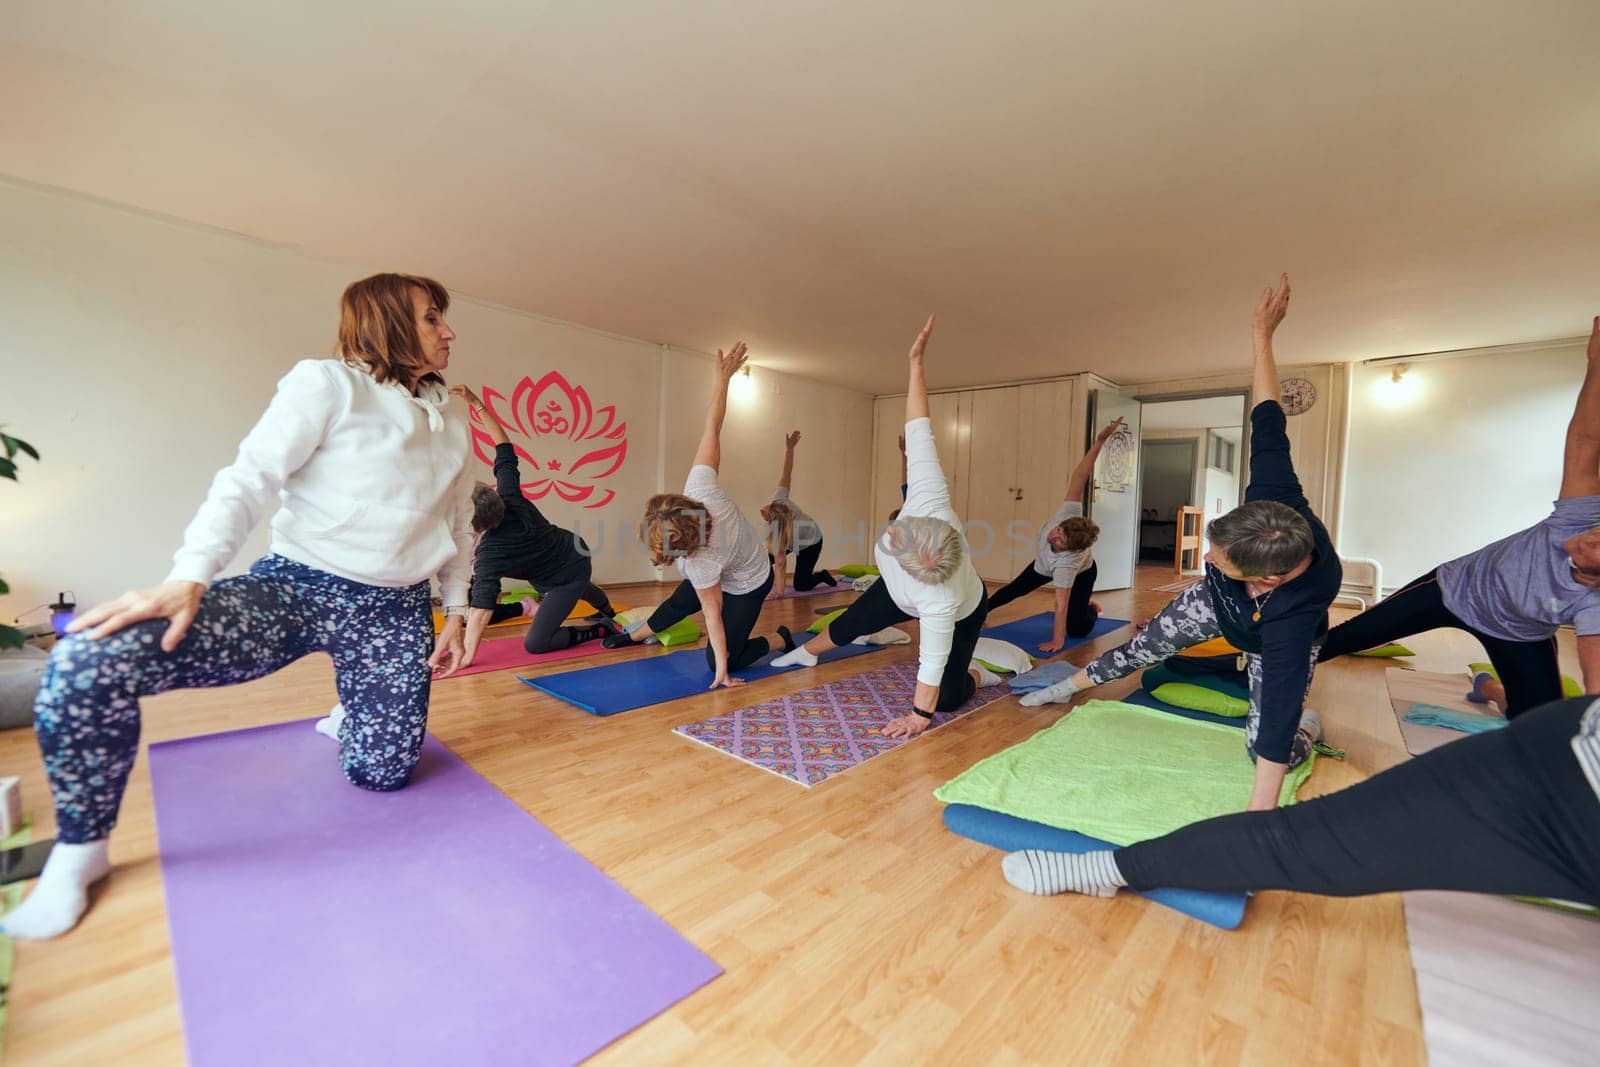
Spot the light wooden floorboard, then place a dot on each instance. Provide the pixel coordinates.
(852, 925)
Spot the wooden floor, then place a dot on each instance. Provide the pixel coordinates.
(851, 924)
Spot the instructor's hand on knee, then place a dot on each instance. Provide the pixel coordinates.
(175, 601)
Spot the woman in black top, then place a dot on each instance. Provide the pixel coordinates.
(516, 541)
(1271, 574)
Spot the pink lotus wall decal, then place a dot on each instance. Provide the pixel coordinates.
(576, 444)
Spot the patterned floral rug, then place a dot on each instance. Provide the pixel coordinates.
(814, 734)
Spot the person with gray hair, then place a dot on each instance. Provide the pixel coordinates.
(926, 573)
(1271, 573)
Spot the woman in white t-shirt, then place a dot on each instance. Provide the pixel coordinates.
(368, 474)
(926, 573)
(791, 531)
(1064, 559)
(726, 572)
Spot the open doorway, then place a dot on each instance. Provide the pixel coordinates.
(1191, 452)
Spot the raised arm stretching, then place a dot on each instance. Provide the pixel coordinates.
(1580, 469)
(1270, 310)
(709, 454)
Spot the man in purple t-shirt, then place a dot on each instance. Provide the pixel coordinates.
(1513, 594)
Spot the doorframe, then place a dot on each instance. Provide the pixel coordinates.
(1194, 447)
(1243, 392)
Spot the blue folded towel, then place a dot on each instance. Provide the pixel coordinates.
(1468, 722)
(1045, 674)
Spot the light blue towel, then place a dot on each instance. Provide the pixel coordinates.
(1468, 722)
(1045, 674)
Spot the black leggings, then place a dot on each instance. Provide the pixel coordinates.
(547, 634)
(739, 613)
(1080, 615)
(806, 575)
(1528, 669)
(875, 609)
(1506, 812)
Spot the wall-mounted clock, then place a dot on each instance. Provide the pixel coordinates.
(1299, 396)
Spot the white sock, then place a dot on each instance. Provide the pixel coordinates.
(330, 725)
(60, 896)
(1037, 871)
(801, 656)
(1059, 693)
(986, 677)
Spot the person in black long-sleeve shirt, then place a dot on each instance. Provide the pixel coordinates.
(1271, 574)
(517, 541)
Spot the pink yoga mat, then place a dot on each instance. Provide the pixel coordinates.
(504, 653)
(316, 923)
(819, 732)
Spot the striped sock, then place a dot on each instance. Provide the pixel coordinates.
(1037, 871)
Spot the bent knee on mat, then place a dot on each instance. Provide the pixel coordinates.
(384, 776)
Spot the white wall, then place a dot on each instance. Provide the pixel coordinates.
(136, 351)
(1464, 452)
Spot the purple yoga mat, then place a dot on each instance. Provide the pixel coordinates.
(812, 735)
(313, 922)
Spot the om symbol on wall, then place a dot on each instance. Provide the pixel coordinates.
(567, 444)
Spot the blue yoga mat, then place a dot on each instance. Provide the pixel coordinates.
(1011, 834)
(1035, 630)
(619, 687)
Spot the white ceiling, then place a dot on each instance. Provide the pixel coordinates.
(1071, 185)
(1204, 413)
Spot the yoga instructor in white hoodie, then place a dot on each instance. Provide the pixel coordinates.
(926, 573)
(371, 476)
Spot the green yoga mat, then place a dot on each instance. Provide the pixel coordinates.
(1118, 772)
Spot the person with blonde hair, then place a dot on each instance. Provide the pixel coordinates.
(926, 573)
(368, 471)
(1063, 557)
(725, 569)
(791, 531)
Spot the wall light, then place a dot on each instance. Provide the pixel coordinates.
(743, 387)
(1401, 388)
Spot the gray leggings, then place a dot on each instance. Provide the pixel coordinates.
(1188, 620)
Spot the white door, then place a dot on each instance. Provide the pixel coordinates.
(1114, 500)
(992, 488)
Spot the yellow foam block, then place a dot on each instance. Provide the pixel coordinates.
(1217, 646)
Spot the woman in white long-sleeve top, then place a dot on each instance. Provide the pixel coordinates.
(375, 491)
(926, 573)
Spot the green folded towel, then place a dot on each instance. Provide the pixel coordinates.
(856, 570)
(825, 621)
(1118, 772)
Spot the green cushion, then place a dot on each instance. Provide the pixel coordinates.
(824, 622)
(1161, 674)
(856, 570)
(1199, 698)
(512, 596)
(1569, 685)
(682, 632)
(1386, 652)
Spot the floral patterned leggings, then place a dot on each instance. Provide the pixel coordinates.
(87, 713)
(1188, 620)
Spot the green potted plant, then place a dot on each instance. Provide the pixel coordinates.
(10, 636)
